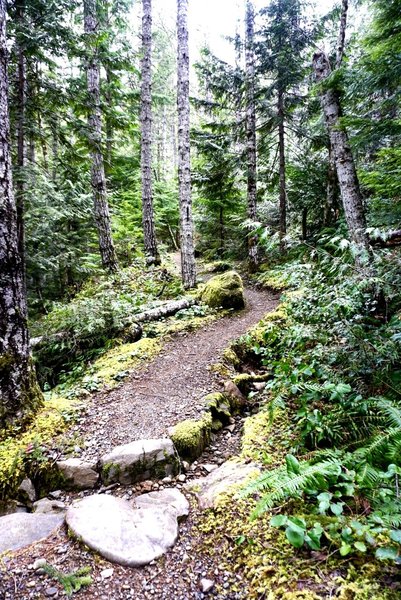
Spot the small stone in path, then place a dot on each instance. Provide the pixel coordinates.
(106, 573)
(51, 592)
(206, 585)
(209, 467)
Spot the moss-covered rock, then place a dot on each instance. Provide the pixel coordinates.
(219, 407)
(191, 437)
(244, 380)
(225, 290)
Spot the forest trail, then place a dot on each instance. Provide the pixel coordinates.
(170, 387)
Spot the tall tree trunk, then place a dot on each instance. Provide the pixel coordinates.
(148, 221)
(344, 160)
(282, 177)
(251, 133)
(188, 266)
(98, 179)
(21, 110)
(19, 393)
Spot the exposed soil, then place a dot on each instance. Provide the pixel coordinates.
(170, 387)
(164, 392)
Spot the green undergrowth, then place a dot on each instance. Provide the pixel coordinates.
(25, 454)
(324, 517)
(271, 569)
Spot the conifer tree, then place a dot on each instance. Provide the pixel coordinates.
(251, 132)
(188, 267)
(340, 147)
(19, 392)
(146, 136)
(98, 178)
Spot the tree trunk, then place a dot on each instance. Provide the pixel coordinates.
(148, 222)
(282, 178)
(98, 179)
(251, 133)
(304, 223)
(19, 393)
(188, 266)
(21, 110)
(345, 166)
(330, 209)
(221, 228)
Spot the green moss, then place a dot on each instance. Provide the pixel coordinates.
(219, 406)
(20, 453)
(230, 356)
(244, 380)
(124, 358)
(191, 437)
(225, 290)
(268, 567)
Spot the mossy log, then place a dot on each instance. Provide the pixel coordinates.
(131, 324)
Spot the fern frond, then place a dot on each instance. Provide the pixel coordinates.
(278, 485)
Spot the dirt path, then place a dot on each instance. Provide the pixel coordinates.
(170, 387)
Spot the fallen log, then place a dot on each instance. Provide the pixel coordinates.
(132, 323)
(166, 310)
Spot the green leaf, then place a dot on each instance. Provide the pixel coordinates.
(387, 553)
(278, 521)
(396, 536)
(292, 464)
(296, 523)
(345, 549)
(295, 538)
(360, 546)
(337, 509)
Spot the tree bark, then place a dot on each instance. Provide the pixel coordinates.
(331, 208)
(253, 255)
(340, 147)
(98, 179)
(19, 393)
(148, 221)
(345, 166)
(21, 110)
(188, 266)
(304, 223)
(282, 174)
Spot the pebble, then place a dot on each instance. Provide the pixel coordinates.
(51, 592)
(182, 478)
(106, 573)
(39, 563)
(206, 585)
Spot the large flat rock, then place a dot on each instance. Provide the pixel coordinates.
(170, 498)
(122, 533)
(227, 478)
(22, 529)
(138, 461)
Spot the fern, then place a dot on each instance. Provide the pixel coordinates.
(280, 484)
(71, 582)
